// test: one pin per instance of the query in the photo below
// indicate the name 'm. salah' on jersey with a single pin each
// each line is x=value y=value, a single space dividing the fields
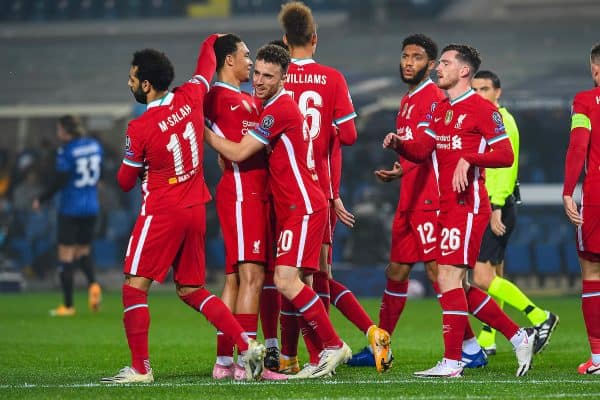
x=419 y=187
x=232 y=113
x=322 y=94
x=167 y=140
x=292 y=176
x=463 y=126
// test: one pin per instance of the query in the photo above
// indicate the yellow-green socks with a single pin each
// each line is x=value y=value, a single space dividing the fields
x=509 y=292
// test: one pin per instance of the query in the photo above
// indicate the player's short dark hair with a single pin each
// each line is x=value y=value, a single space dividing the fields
x=595 y=54
x=153 y=66
x=72 y=124
x=225 y=45
x=297 y=21
x=274 y=54
x=280 y=43
x=466 y=54
x=423 y=41
x=484 y=74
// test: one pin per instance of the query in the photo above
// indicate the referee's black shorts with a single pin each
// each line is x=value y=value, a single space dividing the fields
x=493 y=246
x=75 y=230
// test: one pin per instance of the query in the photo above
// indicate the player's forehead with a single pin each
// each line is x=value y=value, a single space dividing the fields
x=413 y=49
x=449 y=56
x=133 y=72
x=242 y=47
x=267 y=68
x=481 y=83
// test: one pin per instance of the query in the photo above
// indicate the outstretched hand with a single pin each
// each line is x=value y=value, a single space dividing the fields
x=388 y=175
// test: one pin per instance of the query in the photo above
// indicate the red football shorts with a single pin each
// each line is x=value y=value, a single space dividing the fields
x=172 y=239
x=244 y=227
x=459 y=237
x=414 y=236
x=588 y=234
x=299 y=240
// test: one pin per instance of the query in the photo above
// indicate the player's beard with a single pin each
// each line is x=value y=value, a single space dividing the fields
x=417 y=78
x=139 y=95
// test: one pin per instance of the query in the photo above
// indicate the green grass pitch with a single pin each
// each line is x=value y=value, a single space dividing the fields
x=44 y=357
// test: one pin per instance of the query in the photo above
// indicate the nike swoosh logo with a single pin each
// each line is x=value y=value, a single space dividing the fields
x=592 y=370
x=437 y=119
x=445 y=253
x=233 y=108
x=429 y=250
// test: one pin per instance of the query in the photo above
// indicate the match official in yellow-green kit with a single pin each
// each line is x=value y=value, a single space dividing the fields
x=489 y=269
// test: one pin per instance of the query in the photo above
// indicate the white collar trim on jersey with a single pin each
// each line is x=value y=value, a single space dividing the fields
x=163 y=101
x=303 y=61
x=227 y=86
x=420 y=87
x=462 y=97
x=274 y=99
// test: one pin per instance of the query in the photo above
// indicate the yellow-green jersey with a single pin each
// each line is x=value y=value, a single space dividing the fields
x=500 y=182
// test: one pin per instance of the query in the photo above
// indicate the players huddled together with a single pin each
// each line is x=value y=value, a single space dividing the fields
x=278 y=201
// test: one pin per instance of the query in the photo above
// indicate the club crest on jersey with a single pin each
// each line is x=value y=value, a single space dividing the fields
x=267 y=122
x=459 y=121
x=448 y=118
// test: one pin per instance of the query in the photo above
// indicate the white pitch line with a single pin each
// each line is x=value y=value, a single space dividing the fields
x=309 y=382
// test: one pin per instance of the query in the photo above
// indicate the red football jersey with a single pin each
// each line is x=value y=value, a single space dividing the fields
x=322 y=94
x=418 y=186
x=463 y=126
x=232 y=113
x=168 y=141
x=293 y=179
x=585 y=143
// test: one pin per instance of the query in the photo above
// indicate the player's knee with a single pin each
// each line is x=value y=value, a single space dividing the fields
x=397 y=272
x=183 y=291
x=482 y=278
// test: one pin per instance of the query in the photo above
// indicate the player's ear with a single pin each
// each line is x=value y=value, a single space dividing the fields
x=498 y=93
x=284 y=38
x=229 y=59
x=146 y=86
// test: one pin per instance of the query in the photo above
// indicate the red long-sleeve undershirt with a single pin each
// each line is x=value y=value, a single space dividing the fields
x=576 y=156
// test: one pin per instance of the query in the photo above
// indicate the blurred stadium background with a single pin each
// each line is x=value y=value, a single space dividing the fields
x=72 y=56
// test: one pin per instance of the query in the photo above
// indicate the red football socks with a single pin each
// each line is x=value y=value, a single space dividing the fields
x=455 y=318
x=312 y=310
x=270 y=305
x=590 y=305
x=218 y=314
x=484 y=308
x=289 y=328
x=321 y=286
x=136 y=319
x=346 y=302
x=392 y=304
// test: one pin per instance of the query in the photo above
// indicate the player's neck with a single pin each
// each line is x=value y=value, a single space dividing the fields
x=154 y=95
x=301 y=52
x=229 y=78
x=412 y=87
x=459 y=89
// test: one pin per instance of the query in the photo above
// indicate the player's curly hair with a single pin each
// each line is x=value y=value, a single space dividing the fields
x=595 y=54
x=466 y=54
x=280 y=43
x=297 y=21
x=225 y=45
x=153 y=66
x=72 y=124
x=274 y=54
x=484 y=74
x=423 y=41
